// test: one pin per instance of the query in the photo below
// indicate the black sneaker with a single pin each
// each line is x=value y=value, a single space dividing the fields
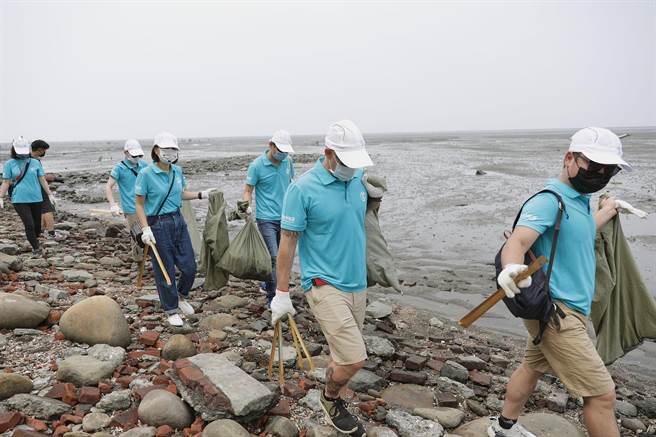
x=338 y=416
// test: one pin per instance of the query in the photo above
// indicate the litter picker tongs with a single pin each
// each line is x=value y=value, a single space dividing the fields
x=299 y=345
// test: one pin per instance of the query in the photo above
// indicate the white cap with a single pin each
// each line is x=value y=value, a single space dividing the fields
x=283 y=141
x=346 y=140
x=133 y=147
x=599 y=145
x=166 y=140
x=21 y=146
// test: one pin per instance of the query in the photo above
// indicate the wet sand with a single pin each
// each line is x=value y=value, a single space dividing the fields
x=443 y=222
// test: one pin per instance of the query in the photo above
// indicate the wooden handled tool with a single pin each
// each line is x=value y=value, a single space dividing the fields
x=161 y=264
x=488 y=303
x=142 y=267
x=276 y=343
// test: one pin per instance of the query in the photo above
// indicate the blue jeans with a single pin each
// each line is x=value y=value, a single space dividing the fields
x=270 y=230
x=174 y=247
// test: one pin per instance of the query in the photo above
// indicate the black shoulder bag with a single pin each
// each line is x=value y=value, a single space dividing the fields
x=136 y=231
x=130 y=168
x=535 y=302
x=19 y=178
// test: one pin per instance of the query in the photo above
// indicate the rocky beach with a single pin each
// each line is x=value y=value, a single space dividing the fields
x=83 y=352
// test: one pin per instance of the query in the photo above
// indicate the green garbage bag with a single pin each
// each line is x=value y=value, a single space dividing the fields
x=248 y=257
x=380 y=263
x=215 y=243
x=623 y=309
x=190 y=218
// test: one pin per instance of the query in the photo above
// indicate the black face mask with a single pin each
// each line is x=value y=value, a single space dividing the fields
x=587 y=181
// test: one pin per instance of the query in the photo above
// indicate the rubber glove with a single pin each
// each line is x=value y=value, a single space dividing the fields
x=507 y=277
x=114 y=208
x=627 y=207
x=147 y=236
x=205 y=194
x=281 y=305
x=249 y=210
x=53 y=200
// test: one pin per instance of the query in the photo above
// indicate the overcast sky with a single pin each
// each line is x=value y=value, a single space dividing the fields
x=100 y=70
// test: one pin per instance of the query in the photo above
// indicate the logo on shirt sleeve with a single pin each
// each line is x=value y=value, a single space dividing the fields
x=531 y=218
x=363 y=196
x=288 y=219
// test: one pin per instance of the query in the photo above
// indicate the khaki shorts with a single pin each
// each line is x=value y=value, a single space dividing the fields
x=569 y=354
x=341 y=317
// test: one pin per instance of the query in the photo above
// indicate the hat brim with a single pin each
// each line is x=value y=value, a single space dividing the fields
x=168 y=146
x=287 y=148
x=135 y=152
x=355 y=158
x=22 y=150
x=603 y=158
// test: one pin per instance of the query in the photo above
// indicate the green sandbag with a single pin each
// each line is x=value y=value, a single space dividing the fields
x=215 y=243
x=380 y=263
x=623 y=309
x=248 y=257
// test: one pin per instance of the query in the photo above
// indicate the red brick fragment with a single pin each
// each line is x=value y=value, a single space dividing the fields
x=59 y=336
x=149 y=338
x=125 y=380
x=61 y=430
x=89 y=395
x=197 y=426
x=27 y=433
x=36 y=424
x=163 y=431
x=190 y=374
x=281 y=409
x=125 y=419
x=69 y=418
x=104 y=388
x=10 y=420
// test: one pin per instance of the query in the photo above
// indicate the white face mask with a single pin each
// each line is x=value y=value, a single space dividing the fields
x=168 y=155
x=132 y=159
x=342 y=172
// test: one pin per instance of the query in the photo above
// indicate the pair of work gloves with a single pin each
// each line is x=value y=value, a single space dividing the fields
x=281 y=304
x=506 y=278
x=52 y=199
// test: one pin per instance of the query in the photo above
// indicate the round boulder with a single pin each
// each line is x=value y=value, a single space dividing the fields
x=18 y=311
x=83 y=370
x=12 y=383
x=161 y=407
x=225 y=428
x=178 y=347
x=96 y=320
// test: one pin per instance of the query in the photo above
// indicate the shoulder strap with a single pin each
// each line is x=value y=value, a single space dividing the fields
x=19 y=178
x=561 y=210
x=129 y=168
x=161 y=205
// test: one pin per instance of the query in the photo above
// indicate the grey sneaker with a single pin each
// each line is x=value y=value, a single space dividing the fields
x=495 y=430
x=338 y=416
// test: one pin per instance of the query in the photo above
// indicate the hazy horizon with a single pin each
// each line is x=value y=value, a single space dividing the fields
x=88 y=71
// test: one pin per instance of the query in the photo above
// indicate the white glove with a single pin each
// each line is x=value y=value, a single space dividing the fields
x=627 y=207
x=147 y=236
x=281 y=305
x=2 y=203
x=53 y=200
x=206 y=193
x=249 y=210
x=507 y=277
x=114 y=208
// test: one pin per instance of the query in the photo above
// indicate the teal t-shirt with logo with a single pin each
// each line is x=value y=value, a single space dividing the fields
x=271 y=183
x=29 y=189
x=153 y=183
x=329 y=214
x=573 y=274
x=125 y=174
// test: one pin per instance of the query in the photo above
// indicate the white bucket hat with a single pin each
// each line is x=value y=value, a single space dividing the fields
x=346 y=140
x=599 y=145
x=283 y=141
x=166 y=140
x=21 y=145
x=133 y=147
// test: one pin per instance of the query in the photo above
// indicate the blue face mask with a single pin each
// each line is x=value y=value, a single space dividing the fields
x=342 y=172
x=279 y=156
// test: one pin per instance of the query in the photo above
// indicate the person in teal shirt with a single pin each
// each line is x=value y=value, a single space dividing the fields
x=25 y=174
x=159 y=190
x=564 y=349
x=124 y=174
x=269 y=175
x=324 y=212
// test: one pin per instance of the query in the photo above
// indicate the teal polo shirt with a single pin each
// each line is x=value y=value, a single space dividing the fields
x=125 y=177
x=29 y=190
x=153 y=183
x=573 y=275
x=330 y=216
x=271 y=183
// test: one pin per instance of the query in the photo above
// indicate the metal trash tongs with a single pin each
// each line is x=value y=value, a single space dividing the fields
x=299 y=345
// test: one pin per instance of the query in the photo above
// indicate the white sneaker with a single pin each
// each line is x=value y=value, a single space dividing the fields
x=175 y=320
x=495 y=430
x=185 y=307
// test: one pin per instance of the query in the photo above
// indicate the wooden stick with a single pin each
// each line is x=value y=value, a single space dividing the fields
x=274 y=342
x=299 y=357
x=102 y=211
x=488 y=303
x=296 y=333
x=281 y=364
x=142 y=267
x=161 y=265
